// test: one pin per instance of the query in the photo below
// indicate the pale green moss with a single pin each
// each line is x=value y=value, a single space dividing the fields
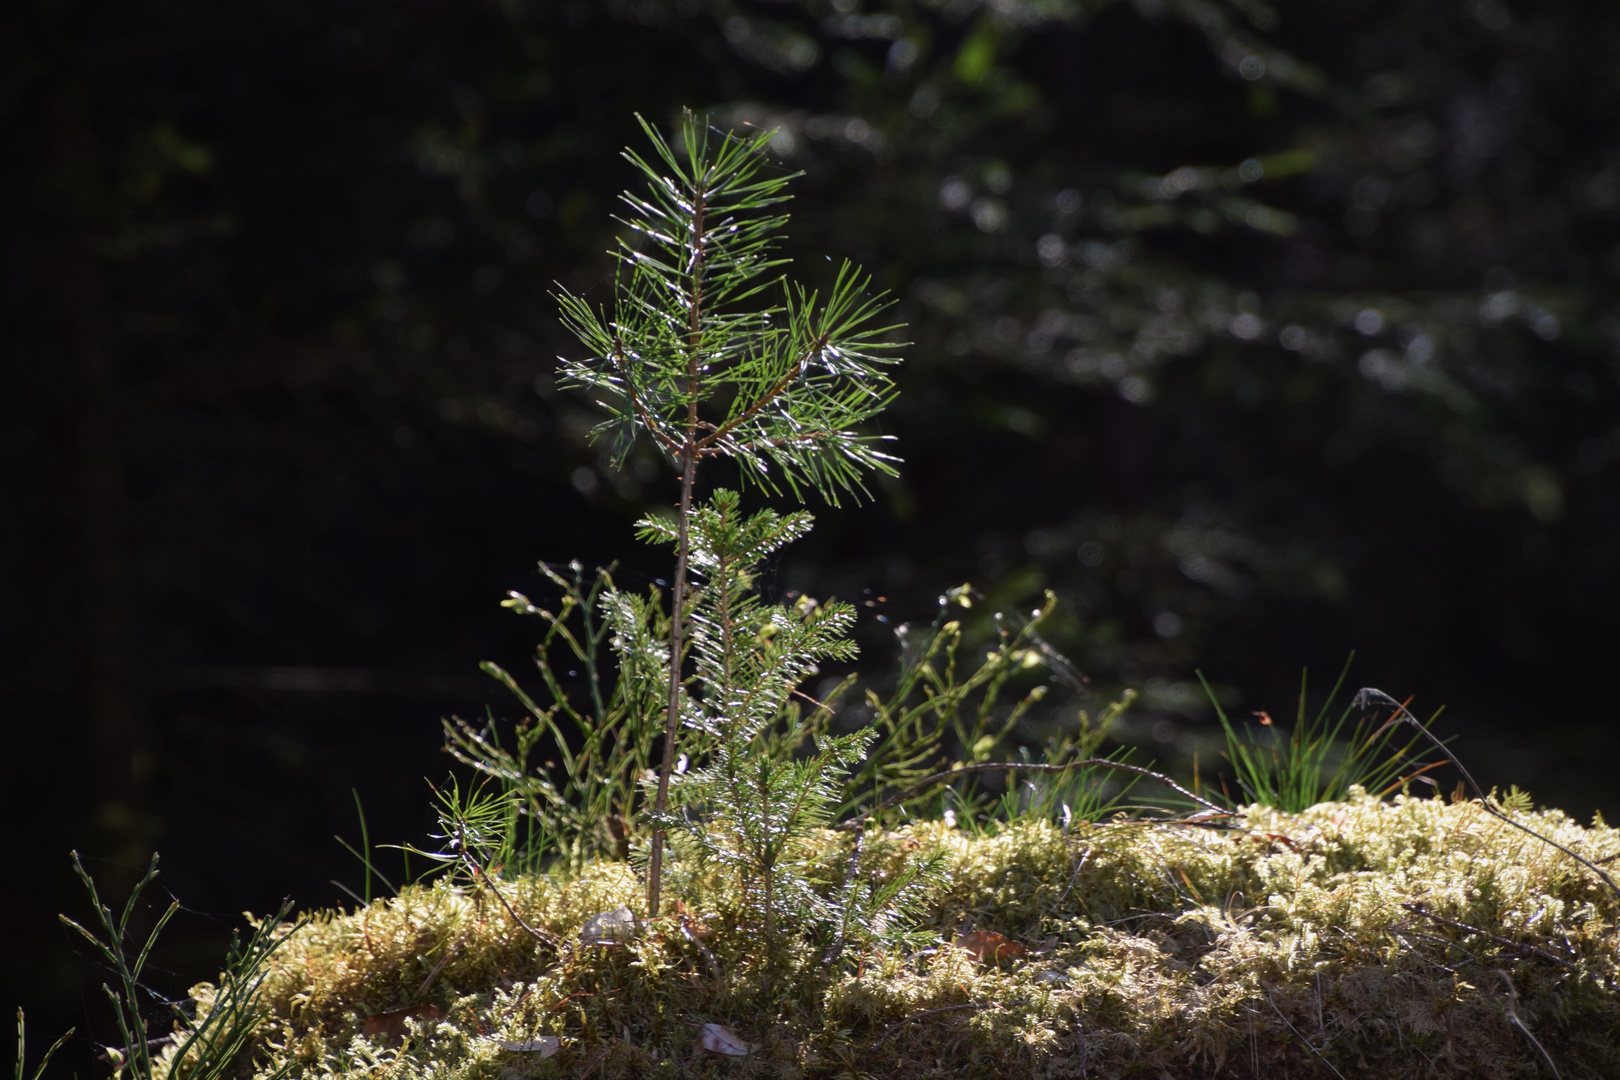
x=1156 y=950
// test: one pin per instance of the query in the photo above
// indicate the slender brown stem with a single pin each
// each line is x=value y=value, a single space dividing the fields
x=718 y=433
x=1513 y=1015
x=683 y=547
x=1301 y=1037
x=1370 y=696
x=770 y=932
x=655 y=861
x=479 y=874
x=914 y=1017
x=1519 y=946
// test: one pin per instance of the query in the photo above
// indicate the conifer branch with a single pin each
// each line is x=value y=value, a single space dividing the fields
x=653 y=428
x=769 y=396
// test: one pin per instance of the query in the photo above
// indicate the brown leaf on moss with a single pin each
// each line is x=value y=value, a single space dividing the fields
x=391 y=1025
x=719 y=1039
x=989 y=947
x=694 y=926
x=544 y=1045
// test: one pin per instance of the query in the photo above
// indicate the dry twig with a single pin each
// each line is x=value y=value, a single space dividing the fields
x=479 y=874
x=1513 y=1015
x=1419 y=909
x=1302 y=1038
x=1367 y=697
x=898 y=1024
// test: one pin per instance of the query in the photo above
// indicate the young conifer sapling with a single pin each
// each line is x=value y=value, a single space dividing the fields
x=709 y=351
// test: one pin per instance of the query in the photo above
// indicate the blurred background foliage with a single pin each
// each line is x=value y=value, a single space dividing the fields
x=1258 y=332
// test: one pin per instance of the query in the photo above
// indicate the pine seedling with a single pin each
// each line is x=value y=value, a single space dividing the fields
x=755 y=807
x=708 y=351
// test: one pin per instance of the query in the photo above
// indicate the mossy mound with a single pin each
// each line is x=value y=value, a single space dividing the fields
x=1358 y=939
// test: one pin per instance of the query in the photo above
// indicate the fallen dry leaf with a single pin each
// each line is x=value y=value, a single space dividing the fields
x=1271 y=837
x=694 y=926
x=544 y=1045
x=989 y=947
x=609 y=927
x=718 y=1039
x=391 y=1025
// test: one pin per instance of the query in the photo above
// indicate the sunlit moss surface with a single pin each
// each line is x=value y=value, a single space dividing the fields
x=1358 y=939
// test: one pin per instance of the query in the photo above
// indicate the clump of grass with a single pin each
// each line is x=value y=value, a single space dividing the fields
x=1316 y=762
x=938 y=710
x=1358 y=938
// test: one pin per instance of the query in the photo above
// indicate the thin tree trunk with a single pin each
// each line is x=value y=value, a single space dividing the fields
x=655 y=862
x=689 y=459
x=770 y=933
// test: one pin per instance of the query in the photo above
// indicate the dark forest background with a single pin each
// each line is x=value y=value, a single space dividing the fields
x=1259 y=333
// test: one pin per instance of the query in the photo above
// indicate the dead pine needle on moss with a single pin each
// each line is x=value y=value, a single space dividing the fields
x=1404 y=938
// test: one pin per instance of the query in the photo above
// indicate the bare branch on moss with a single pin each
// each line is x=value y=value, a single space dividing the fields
x=479 y=874
x=433 y=976
x=708 y=954
x=1301 y=1037
x=898 y=1024
x=1368 y=697
x=1513 y=1015
x=1419 y=909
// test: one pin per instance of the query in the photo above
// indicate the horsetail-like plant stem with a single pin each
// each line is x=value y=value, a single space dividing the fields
x=709 y=352
x=22 y=1049
x=204 y=1046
